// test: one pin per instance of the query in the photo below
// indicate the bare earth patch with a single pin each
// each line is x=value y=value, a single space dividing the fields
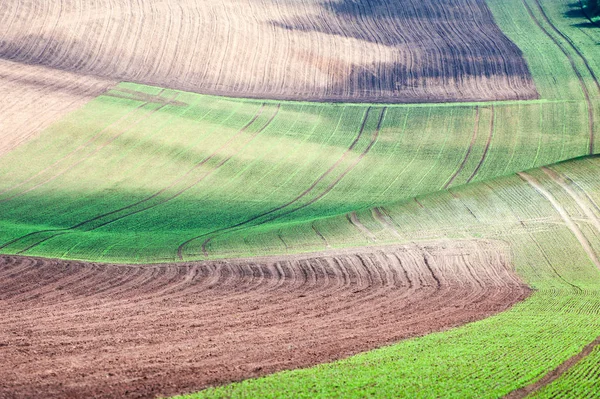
x=338 y=50
x=35 y=96
x=74 y=329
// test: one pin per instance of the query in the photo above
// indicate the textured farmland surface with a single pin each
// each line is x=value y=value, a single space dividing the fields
x=144 y=174
x=115 y=331
x=580 y=381
x=550 y=218
x=34 y=97
x=397 y=51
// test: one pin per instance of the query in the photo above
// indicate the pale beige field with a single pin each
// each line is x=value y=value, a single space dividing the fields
x=33 y=97
x=345 y=50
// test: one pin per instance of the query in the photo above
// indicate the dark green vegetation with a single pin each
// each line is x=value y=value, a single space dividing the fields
x=550 y=218
x=593 y=7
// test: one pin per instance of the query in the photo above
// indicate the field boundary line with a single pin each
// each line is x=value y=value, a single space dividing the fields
x=68 y=155
x=177 y=194
x=554 y=374
x=156 y=194
x=94 y=152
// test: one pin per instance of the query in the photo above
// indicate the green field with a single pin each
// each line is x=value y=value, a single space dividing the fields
x=495 y=356
x=131 y=181
x=143 y=174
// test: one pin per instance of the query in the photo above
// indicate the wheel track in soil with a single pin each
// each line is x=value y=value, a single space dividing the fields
x=164 y=323
x=471 y=145
x=584 y=88
x=570 y=224
x=156 y=194
x=242 y=224
x=486 y=148
x=554 y=374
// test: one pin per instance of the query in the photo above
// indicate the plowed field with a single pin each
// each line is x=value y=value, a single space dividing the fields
x=34 y=97
x=90 y=330
x=396 y=51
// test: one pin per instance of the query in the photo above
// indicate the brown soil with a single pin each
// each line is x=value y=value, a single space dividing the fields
x=338 y=50
x=73 y=329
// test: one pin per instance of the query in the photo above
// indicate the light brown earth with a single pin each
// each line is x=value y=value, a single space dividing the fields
x=72 y=329
x=339 y=50
x=33 y=97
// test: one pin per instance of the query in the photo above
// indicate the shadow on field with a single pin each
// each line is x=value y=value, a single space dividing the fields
x=579 y=12
x=447 y=44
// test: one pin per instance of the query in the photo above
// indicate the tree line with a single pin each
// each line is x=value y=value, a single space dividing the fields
x=593 y=7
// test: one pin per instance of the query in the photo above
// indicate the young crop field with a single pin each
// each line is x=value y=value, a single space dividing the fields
x=397 y=198
x=143 y=174
x=550 y=220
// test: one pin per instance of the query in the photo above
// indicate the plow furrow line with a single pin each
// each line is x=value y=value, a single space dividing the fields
x=353 y=301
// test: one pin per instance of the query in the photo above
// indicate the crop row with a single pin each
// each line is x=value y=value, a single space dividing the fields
x=142 y=167
x=549 y=219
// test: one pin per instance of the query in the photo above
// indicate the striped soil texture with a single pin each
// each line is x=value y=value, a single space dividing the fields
x=335 y=50
x=73 y=329
x=35 y=96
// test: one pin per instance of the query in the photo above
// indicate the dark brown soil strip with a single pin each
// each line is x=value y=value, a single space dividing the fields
x=157 y=194
x=374 y=138
x=300 y=196
x=487 y=147
x=554 y=374
x=464 y=161
x=79 y=330
x=573 y=66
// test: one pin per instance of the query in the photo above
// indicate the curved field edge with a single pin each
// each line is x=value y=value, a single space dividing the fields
x=549 y=218
x=178 y=327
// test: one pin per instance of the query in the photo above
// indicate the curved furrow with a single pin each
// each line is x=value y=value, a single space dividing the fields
x=177 y=327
